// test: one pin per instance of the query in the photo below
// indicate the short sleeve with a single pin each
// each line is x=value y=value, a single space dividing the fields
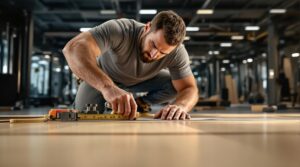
x=180 y=64
x=108 y=35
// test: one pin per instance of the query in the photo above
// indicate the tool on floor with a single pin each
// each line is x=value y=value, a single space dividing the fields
x=142 y=112
x=67 y=115
x=75 y=116
x=91 y=109
x=91 y=112
x=56 y=113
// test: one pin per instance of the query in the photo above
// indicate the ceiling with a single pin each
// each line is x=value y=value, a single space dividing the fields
x=57 y=21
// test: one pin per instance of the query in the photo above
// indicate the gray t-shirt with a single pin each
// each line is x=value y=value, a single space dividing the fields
x=120 y=59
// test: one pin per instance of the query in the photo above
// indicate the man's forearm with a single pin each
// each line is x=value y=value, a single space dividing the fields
x=187 y=98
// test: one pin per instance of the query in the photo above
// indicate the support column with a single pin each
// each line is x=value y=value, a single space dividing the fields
x=217 y=69
x=27 y=44
x=272 y=64
x=211 y=80
x=138 y=8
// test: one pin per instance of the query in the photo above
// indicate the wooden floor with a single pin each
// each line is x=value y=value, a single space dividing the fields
x=209 y=140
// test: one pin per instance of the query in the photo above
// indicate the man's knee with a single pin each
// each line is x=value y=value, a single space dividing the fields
x=88 y=95
x=165 y=92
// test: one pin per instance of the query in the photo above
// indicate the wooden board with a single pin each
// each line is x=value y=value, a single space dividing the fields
x=232 y=89
x=258 y=107
x=154 y=143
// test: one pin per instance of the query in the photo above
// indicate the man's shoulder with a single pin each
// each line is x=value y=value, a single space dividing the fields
x=128 y=24
x=178 y=55
x=180 y=51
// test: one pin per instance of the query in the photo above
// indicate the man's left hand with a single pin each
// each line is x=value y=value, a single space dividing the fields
x=172 y=112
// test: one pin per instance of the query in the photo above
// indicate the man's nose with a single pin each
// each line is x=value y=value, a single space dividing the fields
x=153 y=53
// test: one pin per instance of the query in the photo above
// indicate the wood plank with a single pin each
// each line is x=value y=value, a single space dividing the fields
x=148 y=144
x=232 y=90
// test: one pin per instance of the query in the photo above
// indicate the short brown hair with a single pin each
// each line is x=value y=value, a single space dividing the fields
x=172 y=25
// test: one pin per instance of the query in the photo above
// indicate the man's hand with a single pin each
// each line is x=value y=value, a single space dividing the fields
x=122 y=102
x=172 y=112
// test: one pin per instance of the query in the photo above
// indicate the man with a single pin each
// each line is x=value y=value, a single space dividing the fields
x=134 y=57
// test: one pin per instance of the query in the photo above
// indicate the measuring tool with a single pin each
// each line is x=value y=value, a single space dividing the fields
x=74 y=115
x=90 y=113
x=102 y=117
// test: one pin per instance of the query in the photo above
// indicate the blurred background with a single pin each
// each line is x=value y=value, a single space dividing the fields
x=242 y=52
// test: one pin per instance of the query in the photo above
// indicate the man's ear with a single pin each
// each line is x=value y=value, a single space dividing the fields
x=147 y=26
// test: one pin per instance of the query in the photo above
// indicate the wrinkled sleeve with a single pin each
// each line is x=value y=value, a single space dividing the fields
x=108 y=35
x=180 y=64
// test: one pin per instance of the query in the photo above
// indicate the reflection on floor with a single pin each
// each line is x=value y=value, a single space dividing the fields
x=209 y=140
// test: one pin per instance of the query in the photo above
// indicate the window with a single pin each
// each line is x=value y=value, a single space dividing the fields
x=39 y=82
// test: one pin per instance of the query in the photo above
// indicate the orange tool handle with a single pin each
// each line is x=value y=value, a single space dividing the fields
x=53 y=112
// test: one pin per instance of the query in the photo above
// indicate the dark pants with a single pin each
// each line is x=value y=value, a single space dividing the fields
x=159 y=90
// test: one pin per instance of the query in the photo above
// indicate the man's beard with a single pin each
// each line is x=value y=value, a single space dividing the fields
x=144 y=55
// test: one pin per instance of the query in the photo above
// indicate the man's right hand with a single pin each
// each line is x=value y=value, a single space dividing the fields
x=121 y=101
